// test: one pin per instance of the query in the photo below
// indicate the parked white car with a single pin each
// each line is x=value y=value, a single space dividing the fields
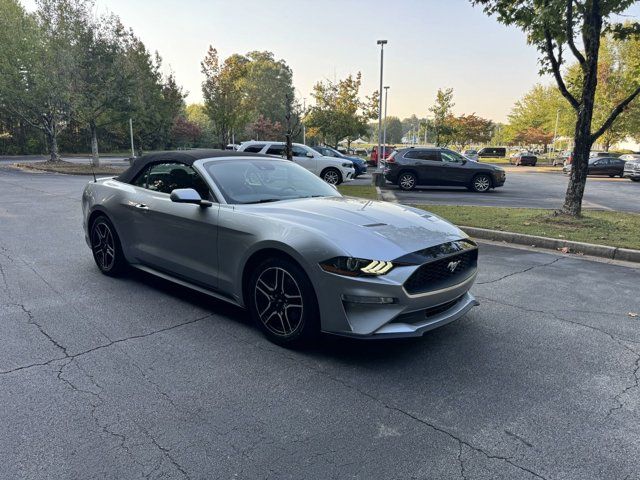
x=331 y=170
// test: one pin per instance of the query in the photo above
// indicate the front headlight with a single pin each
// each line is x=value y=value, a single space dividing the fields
x=356 y=267
x=347 y=165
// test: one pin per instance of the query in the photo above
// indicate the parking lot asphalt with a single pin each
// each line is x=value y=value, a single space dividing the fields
x=135 y=377
x=528 y=190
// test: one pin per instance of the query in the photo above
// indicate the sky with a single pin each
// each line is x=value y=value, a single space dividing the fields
x=432 y=44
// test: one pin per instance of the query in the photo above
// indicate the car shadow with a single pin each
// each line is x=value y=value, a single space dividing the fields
x=342 y=349
x=493 y=191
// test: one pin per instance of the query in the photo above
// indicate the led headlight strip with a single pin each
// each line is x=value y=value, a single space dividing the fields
x=377 y=267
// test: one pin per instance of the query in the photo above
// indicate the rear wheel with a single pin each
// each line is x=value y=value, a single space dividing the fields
x=481 y=183
x=106 y=248
x=332 y=176
x=407 y=181
x=282 y=303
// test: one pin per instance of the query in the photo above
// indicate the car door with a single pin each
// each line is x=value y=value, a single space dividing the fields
x=598 y=167
x=179 y=239
x=427 y=165
x=453 y=169
x=306 y=158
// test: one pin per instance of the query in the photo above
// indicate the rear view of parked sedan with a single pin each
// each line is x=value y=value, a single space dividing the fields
x=411 y=167
x=267 y=235
x=523 y=159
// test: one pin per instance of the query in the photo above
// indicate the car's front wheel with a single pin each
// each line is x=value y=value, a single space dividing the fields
x=481 y=183
x=332 y=176
x=407 y=181
x=282 y=303
x=106 y=248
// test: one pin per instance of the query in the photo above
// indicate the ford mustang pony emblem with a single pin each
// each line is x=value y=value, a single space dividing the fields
x=453 y=265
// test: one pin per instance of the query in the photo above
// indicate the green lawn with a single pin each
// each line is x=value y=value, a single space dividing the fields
x=364 y=191
x=605 y=228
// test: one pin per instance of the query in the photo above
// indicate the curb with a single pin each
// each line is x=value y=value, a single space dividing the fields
x=603 y=251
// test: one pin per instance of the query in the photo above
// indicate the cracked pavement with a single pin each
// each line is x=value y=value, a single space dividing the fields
x=137 y=378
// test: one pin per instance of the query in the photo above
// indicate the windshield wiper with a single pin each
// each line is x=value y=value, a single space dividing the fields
x=264 y=200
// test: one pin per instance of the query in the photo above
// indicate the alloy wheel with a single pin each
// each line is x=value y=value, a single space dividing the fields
x=331 y=177
x=103 y=246
x=407 y=182
x=278 y=301
x=481 y=183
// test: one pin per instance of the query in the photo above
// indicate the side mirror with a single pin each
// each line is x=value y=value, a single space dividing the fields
x=310 y=155
x=188 y=195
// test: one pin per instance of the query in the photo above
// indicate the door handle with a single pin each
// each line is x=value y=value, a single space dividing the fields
x=141 y=206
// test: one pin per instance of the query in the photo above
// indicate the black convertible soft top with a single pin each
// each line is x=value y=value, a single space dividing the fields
x=182 y=156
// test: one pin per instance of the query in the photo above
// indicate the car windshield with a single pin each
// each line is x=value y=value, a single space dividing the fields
x=332 y=152
x=263 y=180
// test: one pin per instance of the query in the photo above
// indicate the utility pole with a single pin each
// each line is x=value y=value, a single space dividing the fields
x=384 y=131
x=382 y=43
x=133 y=153
x=555 y=133
x=304 y=128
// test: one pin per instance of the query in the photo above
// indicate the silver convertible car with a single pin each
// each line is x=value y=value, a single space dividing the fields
x=267 y=235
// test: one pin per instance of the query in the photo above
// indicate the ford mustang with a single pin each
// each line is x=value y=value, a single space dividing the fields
x=267 y=235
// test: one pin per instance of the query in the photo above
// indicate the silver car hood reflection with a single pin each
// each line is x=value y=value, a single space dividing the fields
x=364 y=228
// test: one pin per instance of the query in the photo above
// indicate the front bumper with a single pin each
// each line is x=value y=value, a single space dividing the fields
x=408 y=315
x=631 y=174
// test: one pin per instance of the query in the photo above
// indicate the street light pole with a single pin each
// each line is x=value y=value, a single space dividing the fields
x=384 y=131
x=304 y=128
x=382 y=43
x=133 y=153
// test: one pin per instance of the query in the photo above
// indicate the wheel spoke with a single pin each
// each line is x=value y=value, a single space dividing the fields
x=280 y=308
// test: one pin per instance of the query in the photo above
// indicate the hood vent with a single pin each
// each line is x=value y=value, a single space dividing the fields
x=375 y=225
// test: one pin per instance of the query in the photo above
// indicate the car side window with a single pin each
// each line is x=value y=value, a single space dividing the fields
x=141 y=179
x=298 y=151
x=275 y=150
x=431 y=155
x=166 y=177
x=450 y=157
x=254 y=148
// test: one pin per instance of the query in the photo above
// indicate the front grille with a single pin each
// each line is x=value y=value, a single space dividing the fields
x=443 y=272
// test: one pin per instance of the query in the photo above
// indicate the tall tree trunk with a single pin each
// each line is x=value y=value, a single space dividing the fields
x=52 y=140
x=95 y=156
x=582 y=136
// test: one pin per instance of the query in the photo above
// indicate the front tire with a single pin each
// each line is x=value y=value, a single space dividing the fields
x=106 y=248
x=332 y=176
x=481 y=183
x=407 y=181
x=283 y=304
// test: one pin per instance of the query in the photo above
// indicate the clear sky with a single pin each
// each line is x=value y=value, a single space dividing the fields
x=432 y=44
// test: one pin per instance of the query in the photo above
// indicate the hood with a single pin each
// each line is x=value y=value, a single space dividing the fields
x=364 y=228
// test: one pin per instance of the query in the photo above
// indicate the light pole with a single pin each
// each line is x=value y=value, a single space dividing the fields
x=133 y=153
x=382 y=43
x=384 y=131
x=304 y=128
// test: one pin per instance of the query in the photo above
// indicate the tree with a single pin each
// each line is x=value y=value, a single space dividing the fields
x=339 y=112
x=101 y=83
x=38 y=60
x=222 y=92
x=443 y=117
x=471 y=129
x=264 y=129
x=196 y=114
x=266 y=86
x=394 y=129
x=185 y=133
x=552 y=26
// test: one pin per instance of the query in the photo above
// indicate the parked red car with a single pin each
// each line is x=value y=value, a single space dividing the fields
x=386 y=151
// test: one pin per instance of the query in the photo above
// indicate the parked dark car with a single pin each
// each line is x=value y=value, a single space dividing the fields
x=359 y=164
x=612 y=166
x=523 y=158
x=492 y=152
x=410 y=167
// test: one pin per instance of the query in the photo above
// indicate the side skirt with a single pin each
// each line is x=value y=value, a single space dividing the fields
x=187 y=284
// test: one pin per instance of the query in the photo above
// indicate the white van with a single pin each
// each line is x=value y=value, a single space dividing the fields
x=331 y=170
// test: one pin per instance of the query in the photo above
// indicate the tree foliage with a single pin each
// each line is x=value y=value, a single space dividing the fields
x=62 y=68
x=339 y=112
